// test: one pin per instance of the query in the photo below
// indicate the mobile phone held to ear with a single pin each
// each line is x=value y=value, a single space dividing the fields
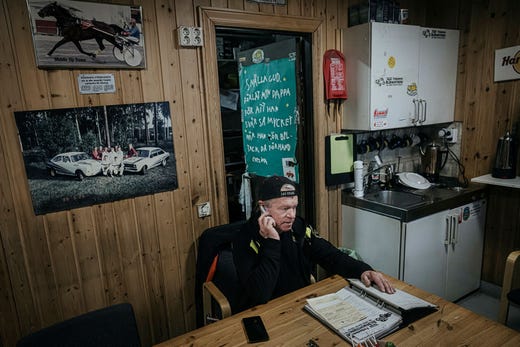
x=262 y=208
x=255 y=329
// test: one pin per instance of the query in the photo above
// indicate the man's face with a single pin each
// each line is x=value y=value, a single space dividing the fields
x=283 y=211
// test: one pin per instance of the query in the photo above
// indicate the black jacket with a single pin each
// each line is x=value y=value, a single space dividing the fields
x=269 y=268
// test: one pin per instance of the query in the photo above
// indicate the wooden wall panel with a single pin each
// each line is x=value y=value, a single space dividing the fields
x=329 y=10
x=502 y=231
x=151 y=255
x=294 y=7
x=63 y=264
x=13 y=277
x=251 y=6
x=234 y=4
x=19 y=312
x=143 y=250
x=85 y=242
x=487 y=109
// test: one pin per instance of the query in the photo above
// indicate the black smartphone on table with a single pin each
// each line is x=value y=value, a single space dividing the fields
x=255 y=329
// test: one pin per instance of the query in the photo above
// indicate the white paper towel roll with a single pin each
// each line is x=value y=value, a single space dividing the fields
x=358 y=178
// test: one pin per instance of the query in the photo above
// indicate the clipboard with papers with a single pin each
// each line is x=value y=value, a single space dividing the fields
x=358 y=313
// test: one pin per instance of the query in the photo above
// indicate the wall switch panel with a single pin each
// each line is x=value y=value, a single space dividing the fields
x=204 y=209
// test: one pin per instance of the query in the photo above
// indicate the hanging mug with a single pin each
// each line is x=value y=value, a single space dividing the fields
x=416 y=140
x=362 y=147
x=395 y=142
x=382 y=142
x=424 y=138
x=407 y=141
x=373 y=145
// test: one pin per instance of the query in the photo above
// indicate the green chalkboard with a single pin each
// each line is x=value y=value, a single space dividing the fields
x=268 y=97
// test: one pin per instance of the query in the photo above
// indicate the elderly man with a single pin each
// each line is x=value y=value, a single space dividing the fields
x=133 y=30
x=275 y=250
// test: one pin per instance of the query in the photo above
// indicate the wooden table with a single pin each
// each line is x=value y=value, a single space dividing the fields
x=288 y=325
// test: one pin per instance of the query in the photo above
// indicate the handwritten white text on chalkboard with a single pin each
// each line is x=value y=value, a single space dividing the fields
x=286 y=147
x=260 y=108
x=257 y=80
x=276 y=94
x=269 y=115
x=269 y=121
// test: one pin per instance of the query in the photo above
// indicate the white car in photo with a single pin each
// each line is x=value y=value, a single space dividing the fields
x=147 y=158
x=78 y=164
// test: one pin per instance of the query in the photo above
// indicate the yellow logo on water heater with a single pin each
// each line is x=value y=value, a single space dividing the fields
x=391 y=62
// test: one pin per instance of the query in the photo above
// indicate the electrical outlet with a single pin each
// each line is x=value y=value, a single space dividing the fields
x=204 y=209
x=190 y=36
x=449 y=134
x=454 y=135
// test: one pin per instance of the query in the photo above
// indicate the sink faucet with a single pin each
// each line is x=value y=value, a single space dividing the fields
x=389 y=174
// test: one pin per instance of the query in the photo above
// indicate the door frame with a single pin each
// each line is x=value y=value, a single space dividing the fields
x=209 y=18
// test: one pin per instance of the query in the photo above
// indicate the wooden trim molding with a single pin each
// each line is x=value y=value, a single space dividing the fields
x=209 y=18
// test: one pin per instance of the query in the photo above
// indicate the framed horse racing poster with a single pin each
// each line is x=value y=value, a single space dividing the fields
x=81 y=34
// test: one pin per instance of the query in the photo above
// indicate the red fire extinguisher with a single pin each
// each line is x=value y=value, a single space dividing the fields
x=334 y=75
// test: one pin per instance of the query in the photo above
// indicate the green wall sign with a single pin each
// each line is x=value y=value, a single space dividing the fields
x=269 y=117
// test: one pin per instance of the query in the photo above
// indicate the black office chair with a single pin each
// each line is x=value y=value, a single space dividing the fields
x=216 y=283
x=509 y=294
x=113 y=326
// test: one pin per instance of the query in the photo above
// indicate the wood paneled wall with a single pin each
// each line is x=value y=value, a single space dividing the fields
x=139 y=250
x=143 y=250
x=487 y=109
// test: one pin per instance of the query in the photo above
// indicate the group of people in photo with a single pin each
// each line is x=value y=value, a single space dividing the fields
x=112 y=159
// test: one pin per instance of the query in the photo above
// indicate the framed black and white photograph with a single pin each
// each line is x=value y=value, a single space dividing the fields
x=82 y=34
x=78 y=157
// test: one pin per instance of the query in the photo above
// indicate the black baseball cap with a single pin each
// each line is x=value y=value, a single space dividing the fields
x=277 y=187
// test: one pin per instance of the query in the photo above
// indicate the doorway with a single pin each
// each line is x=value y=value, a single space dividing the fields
x=232 y=43
x=212 y=18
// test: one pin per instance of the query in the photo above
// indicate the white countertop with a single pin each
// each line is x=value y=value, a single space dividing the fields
x=504 y=182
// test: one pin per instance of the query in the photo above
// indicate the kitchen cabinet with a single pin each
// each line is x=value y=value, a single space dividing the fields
x=440 y=253
x=363 y=230
x=399 y=76
x=452 y=256
x=438 y=60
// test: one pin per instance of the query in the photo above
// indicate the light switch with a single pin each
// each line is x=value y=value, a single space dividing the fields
x=204 y=209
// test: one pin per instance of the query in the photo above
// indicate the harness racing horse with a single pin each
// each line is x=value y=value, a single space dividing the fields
x=74 y=29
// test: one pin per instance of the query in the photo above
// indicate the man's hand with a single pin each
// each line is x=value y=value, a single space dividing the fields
x=369 y=277
x=267 y=226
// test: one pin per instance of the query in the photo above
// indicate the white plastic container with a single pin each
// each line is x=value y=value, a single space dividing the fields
x=358 y=178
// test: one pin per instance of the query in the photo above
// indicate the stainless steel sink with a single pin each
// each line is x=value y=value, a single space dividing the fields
x=396 y=198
